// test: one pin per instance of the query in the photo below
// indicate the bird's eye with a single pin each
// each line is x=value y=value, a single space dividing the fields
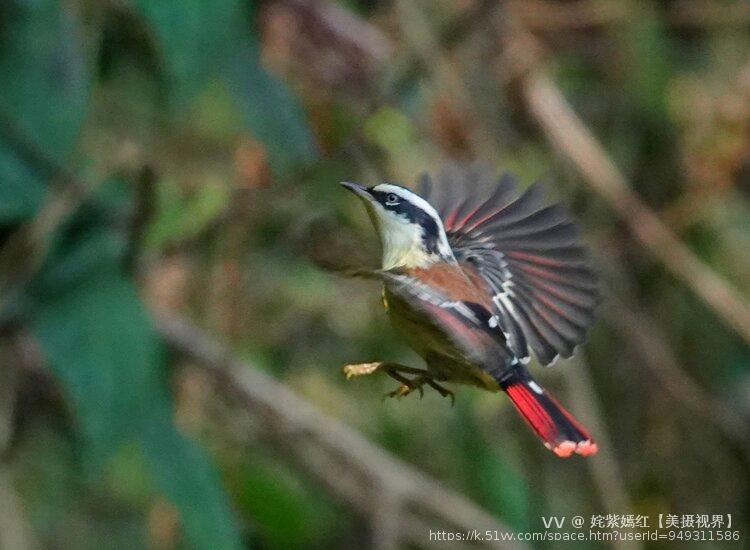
x=391 y=199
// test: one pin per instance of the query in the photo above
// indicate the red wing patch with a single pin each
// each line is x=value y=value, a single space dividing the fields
x=529 y=254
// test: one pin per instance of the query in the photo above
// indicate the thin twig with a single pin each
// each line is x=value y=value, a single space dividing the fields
x=313 y=440
x=700 y=13
x=143 y=214
x=648 y=341
x=24 y=250
x=430 y=47
x=548 y=107
x=542 y=15
x=605 y=468
x=363 y=470
x=31 y=155
x=548 y=16
x=15 y=531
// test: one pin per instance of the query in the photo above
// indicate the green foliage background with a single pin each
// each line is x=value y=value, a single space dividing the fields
x=203 y=143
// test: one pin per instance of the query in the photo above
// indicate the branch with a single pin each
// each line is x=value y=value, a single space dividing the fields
x=375 y=483
x=378 y=485
x=15 y=531
x=24 y=249
x=546 y=16
x=649 y=343
x=605 y=470
x=549 y=109
x=542 y=15
x=700 y=13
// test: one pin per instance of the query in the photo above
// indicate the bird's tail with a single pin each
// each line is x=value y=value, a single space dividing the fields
x=560 y=432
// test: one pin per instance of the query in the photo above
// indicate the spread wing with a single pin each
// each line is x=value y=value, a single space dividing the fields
x=530 y=255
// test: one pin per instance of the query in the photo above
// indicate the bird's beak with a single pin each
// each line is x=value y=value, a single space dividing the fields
x=357 y=189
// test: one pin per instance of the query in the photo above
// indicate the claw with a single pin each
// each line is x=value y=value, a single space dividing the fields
x=406 y=388
x=445 y=392
x=401 y=391
x=407 y=385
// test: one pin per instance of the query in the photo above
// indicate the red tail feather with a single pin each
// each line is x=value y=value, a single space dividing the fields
x=560 y=431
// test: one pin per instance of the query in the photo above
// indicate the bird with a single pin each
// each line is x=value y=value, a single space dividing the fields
x=476 y=277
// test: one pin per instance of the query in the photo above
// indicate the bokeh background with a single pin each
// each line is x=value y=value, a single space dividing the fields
x=168 y=180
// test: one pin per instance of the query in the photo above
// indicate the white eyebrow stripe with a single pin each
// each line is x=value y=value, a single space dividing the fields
x=412 y=197
x=419 y=202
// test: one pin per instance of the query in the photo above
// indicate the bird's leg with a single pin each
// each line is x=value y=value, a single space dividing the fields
x=391 y=369
x=362 y=369
x=407 y=386
x=395 y=370
x=425 y=377
x=445 y=392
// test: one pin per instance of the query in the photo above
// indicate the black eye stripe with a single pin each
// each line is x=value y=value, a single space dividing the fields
x=389 y=199
x=400 y=205
x=413 y=213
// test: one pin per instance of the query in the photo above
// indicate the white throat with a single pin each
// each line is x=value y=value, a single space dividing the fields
x=404 y=241
x=402 y=246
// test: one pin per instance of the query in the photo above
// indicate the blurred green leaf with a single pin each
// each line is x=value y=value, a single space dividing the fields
x=203 y=41
x=128 y=477
x=390 y=129
x=55 y=496
x=46 y=477
x=502 y=490
x=505 y=491
x=184 y=217
x=642 y=130
x=650 y=64
x=288 y=513
x=99 y=342
x=183 y=473
x=196 y=40
x=272 y=113
x=43 y=97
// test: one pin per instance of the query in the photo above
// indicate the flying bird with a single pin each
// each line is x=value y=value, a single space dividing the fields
x=476 y=278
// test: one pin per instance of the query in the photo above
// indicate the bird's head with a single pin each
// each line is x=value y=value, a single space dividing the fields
x=410 y=229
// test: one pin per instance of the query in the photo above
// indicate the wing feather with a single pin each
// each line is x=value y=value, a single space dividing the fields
x=529 y=253
x=467 y=326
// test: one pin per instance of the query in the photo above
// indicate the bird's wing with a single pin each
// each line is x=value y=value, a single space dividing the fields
x=465 y=330
x=530 y=255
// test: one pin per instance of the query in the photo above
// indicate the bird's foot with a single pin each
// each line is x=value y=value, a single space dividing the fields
x=360 y=369
x=394 y=370
x=445 y=392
